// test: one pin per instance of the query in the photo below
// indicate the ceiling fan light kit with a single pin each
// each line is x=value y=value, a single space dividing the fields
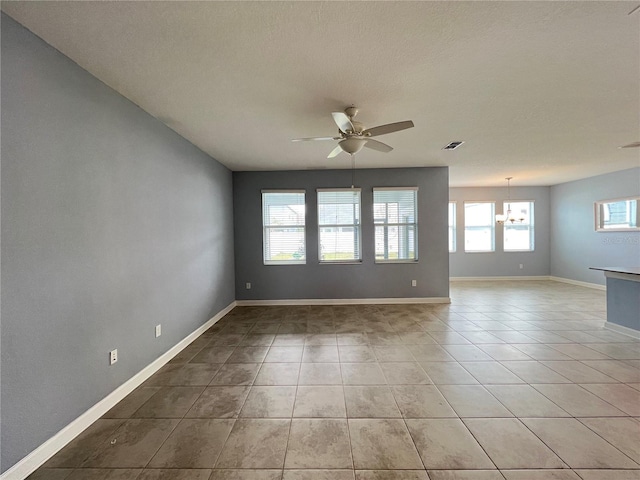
x=352 y=145
x=353 y=136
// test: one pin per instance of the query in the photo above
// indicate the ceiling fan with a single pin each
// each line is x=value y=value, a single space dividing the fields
x=352 y=135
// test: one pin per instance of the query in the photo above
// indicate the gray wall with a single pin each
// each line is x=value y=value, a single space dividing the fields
x=501 y=263
x=576 y=245
x=366 y=280
x=623 y=302
x=111 y=224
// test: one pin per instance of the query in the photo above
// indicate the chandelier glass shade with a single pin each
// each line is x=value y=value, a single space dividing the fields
x=508 y=217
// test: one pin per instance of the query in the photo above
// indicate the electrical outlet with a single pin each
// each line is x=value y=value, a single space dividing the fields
x=113 y=356
x=248 y=285
x=414 y=283
x=158 y=330
x=521 y=266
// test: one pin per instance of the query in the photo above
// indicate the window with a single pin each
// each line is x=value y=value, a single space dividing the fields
x=283 y=227
x=479 y=227
x=395 y=218
x=618 y=215
x=339 y=225
x=452 y=227
x=519 y=237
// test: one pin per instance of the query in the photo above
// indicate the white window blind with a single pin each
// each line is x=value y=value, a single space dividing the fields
x=339 y=225
x=619 y=215
x=519 y=237
x=479 y=226
x=452 y=226
x=283 y=225
x=396 y=224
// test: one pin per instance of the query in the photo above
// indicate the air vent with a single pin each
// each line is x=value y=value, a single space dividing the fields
x=452 y=146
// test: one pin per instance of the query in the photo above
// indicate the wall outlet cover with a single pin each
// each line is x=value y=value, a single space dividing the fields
x=158 y=330
x=113 y=356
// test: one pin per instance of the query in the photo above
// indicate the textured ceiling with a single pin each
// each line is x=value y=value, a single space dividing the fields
x=541 y=91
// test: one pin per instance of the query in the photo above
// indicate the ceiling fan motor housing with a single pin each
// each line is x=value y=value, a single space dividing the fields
x=351 y=112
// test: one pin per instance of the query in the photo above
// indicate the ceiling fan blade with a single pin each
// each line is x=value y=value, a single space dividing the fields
x=335 y=152
x=631 y=145
x=309 y=139
x=388 y=128
x=343 y=122
x=379 y=146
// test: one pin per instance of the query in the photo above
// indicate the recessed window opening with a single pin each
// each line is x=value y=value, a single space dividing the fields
x=283 y=227
x=479 y=226
x=339 y=231
x=396 y=224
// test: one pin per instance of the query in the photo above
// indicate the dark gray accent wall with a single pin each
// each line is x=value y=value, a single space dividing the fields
x=501 y=263
x=334 y=281
x=576 y=245
x=111 y=224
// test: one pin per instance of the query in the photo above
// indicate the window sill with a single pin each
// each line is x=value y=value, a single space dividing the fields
x=339 y=262
x=284 y=263
x=383 y=262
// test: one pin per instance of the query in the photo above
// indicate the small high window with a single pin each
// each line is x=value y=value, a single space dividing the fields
x=618 y=215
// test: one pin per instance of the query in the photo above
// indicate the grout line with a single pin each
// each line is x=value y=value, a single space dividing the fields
x=479 y=444
x=286 y=447
x=346 y=414
x=543 y=325
x=596 y=433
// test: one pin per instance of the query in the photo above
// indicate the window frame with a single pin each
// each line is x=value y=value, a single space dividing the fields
x=599 y=215
x=452 y=228
x=356 y=226
x=531 y=225
x=265 y=228
x=398 y=224
x=492 y=225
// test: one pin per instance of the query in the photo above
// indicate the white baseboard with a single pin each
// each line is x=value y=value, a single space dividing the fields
x=579 y=283
x=631 y=332
x=497 y=279
x=517 y=278
x=342 y=301
x=44 y=452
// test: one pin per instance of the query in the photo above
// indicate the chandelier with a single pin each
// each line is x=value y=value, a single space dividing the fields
x=508 y=217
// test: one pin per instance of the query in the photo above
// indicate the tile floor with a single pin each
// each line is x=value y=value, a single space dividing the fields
x=515 y=381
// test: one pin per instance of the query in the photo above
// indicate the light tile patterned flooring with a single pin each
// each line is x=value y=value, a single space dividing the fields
x=515 y=381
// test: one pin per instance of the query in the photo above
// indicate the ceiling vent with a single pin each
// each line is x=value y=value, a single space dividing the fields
x=452 y=146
